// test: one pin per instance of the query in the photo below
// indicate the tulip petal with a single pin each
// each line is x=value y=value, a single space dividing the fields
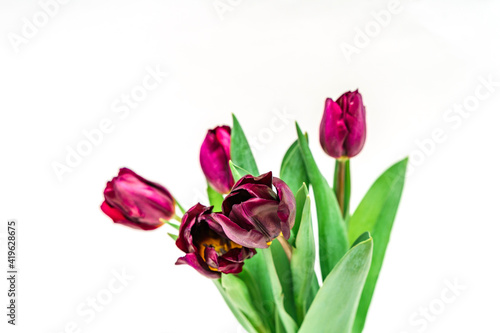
x=286 y=207
x=242 y=190
x=248 y=238
x=333 y=131
x=245 y=192
x=262 y=214
x=354 y=118
x=237 y=255
x=193 y=260
x=138 y=200
x=214 y=159
x=185 y=240
x=201 y=230
x=112 y=212
x=265 y=179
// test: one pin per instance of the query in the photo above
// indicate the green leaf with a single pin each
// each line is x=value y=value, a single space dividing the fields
x=237 y=171
x=257 y=268
x=376 y=214
x=279 y=325
x=239 y=294
x=173 y=225
x=249 y=278
x=364 y=236
x=334 y=308
x=237 y=313
x=300 y=199
x=331 y=227
x=241 y=154
x=284 y=271
x=288 y=322
x=302 y=263
x=293 y=170
x=174 y=237
x=215 y=198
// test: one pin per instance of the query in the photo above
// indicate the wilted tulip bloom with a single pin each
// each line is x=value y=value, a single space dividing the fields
x=136 y=202
x=343 y=127
x=208 y=250
x=258 y=214
x=214 y=159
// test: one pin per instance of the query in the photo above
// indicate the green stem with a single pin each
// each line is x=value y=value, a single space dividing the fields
x=342 y=185
x=177 y=218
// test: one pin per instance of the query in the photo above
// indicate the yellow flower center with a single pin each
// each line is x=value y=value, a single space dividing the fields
x=221 y=246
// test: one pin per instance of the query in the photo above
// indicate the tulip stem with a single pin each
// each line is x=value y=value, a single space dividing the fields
x=286 y=246
x=342 y=185
x=177 y=218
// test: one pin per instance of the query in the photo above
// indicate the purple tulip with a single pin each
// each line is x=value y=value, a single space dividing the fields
x=207 y=248
x=257 y=214
x=214 y=159
x=136 y=202
x=343 y=127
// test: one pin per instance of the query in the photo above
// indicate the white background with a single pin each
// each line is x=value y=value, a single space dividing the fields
x=259 y=58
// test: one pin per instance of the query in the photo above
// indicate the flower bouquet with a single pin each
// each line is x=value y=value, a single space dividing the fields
x=256 y=240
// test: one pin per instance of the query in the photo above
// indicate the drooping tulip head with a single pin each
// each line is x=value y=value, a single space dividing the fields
x=136 y=202
x=207 y=248
x=257 y=212
x=343 y=127
x=214 y=158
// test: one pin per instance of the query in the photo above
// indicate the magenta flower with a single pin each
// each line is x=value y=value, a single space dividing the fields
x=257 y=214
x=214 y=159
x=207 y=248
x=136 y=202
x=343 y=127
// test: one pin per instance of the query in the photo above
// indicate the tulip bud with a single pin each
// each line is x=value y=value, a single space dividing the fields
x=343 y=127
x=136 y=202
x=207 y=248
x=257 y=214
x=214 y=159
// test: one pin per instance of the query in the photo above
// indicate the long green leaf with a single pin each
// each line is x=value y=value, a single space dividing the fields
x=257 y=268
x=300 y=199
x=284 y=271
x=376 y=214
x=288 y=322
x=293 y=170
x=303 y=263
x=247 y=276
x=237 y=171
x=237 y=291
x=215 y=198
x=241 y=154
x=331 y=227
x=334 y=308
x=242 y=319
